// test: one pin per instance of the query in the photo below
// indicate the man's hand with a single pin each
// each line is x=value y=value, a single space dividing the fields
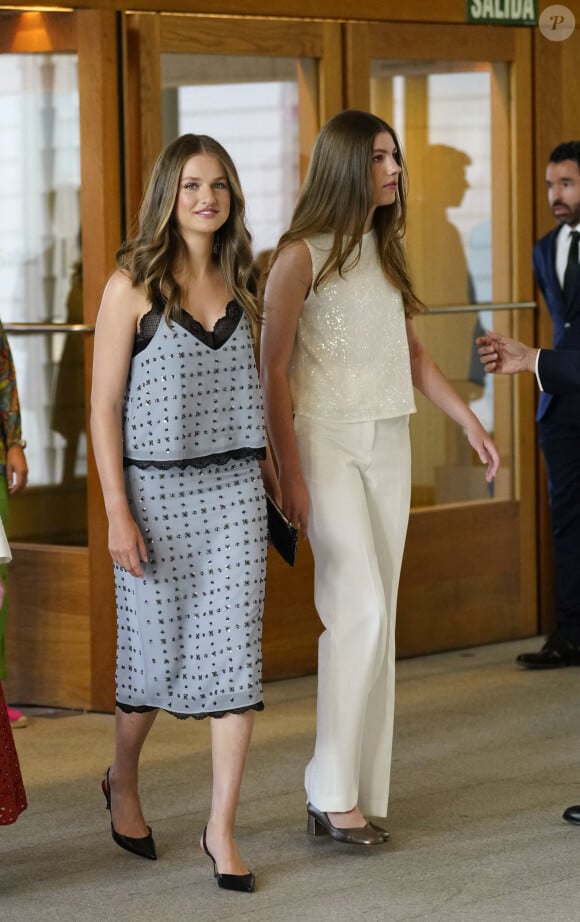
x=501 y=355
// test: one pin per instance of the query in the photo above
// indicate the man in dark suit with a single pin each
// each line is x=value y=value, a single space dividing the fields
x=557 y=371
x=556 y=268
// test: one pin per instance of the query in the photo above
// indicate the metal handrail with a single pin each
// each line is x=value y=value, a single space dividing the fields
x=483 y=306
x=48 y=328
x=444 y=309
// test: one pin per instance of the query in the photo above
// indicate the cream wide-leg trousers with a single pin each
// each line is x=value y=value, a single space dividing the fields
x=359 y=479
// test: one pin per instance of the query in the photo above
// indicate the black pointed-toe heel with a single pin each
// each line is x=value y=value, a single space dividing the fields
x=144 y=847
x=243 y=883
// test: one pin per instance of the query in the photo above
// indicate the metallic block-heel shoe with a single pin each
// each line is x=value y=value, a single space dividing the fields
x=381 y=831
x=320 y=825
x=243 y=883
x=144 y=846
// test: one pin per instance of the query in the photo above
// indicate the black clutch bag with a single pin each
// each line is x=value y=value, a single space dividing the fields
x=282 y=534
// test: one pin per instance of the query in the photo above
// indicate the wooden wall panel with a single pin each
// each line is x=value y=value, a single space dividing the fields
x=291 y=625
x=439 y=566
x=259 y=36
x=48 y=635
x=449 y=597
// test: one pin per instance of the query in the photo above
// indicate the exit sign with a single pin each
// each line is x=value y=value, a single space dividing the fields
x=503 y=12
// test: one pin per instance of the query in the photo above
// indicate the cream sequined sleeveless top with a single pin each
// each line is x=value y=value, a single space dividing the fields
x=351 y=356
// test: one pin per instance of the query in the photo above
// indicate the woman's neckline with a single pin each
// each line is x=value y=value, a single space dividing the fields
x=223 y=316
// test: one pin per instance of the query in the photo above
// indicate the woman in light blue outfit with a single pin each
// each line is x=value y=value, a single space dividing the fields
x=180 y=445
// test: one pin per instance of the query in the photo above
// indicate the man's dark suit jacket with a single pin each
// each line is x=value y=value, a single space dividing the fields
x=559 y=371
x=566 y=330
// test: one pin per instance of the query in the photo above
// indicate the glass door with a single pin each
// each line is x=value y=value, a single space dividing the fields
x=459 y=100
x=59 y=228
x=41 y=302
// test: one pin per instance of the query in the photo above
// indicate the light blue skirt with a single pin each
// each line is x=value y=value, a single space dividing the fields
x=189 y=634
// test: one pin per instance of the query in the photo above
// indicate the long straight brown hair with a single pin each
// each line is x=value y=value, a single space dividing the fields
x=153 y=254
x=336 y=198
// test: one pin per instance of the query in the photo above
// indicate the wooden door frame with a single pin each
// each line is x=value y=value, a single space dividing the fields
x=98 y=40
x=439 y=11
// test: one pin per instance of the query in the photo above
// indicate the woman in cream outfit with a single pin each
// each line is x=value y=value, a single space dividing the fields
x=339 y=361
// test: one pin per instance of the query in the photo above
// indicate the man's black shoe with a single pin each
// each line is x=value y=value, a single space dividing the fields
x=572 y=815
x=556 y=652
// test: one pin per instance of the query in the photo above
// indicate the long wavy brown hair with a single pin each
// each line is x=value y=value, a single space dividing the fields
x=337 y=196
x=152 y=255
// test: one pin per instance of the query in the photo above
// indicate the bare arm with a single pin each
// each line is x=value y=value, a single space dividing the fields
x=432 y=383
x=267 y=466
x=287 y=287
x=119 y=313
x=504 y=356
x=16 y=469
x=269 y=476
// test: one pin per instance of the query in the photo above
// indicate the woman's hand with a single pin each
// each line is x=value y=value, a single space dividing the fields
x=483 y=444
x=430 y=381
x=287 y=287
x=126 y=544
x=295 y=500
x=16 y=469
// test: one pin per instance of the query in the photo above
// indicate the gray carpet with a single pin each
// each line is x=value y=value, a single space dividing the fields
x=486 y=757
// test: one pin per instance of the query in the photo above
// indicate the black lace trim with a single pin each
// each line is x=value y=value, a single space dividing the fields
x=145 y=708
x=214 y=339
x=237 y=454
x=224 y=326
